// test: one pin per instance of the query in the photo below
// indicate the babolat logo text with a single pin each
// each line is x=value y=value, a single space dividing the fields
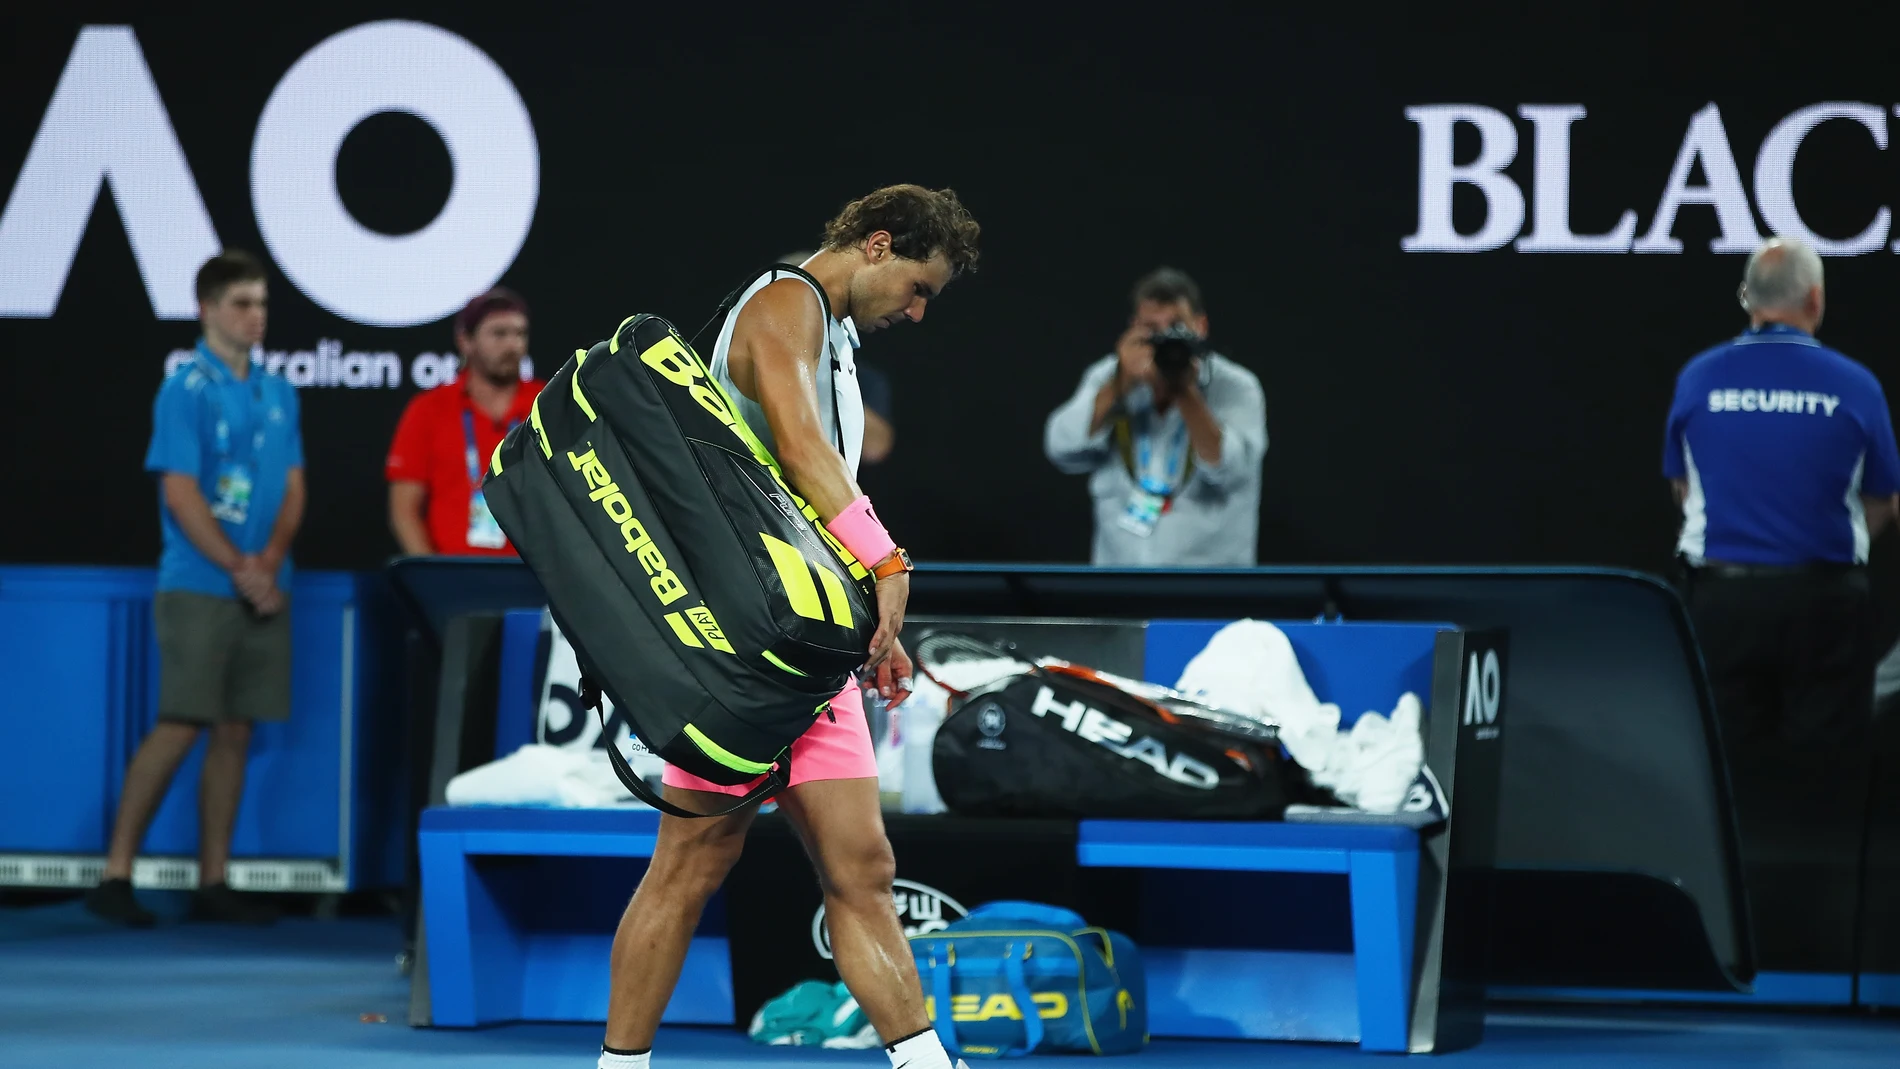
x=1106 y=731
x=666 y=586
x=680 y=368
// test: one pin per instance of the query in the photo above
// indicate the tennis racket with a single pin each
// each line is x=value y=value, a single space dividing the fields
x=963 y=663
x=1172 y=702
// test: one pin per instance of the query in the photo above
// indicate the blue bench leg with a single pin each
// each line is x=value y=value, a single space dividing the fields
x=475 y=953
x=445 y=880
x=1384 y=905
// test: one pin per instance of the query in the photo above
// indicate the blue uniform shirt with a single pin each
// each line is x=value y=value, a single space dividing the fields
x=1778 y=437
x=225 y=433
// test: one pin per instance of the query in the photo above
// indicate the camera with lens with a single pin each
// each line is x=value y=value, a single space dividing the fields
x=1175 y=348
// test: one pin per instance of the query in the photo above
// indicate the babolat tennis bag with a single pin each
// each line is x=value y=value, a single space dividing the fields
x=698 y=591
x=1017 y=978
x=1048 y=743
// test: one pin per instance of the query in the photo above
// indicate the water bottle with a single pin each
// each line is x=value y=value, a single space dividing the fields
x=919 y=724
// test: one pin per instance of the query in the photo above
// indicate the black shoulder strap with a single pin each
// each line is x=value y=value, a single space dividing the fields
x=733 y=297
x=774 y=781
x=823 y=297
x=824 y=300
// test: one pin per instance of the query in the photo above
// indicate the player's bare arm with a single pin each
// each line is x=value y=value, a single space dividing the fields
x=776 y=346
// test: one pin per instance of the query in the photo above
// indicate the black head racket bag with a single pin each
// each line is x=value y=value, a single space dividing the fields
x=1052 y=744
x=698 y=591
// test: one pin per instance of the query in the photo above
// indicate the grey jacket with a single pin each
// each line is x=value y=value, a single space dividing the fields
x=1214 y=518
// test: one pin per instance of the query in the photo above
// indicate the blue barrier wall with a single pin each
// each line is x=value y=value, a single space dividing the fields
x=79 y=690
x=78 y=678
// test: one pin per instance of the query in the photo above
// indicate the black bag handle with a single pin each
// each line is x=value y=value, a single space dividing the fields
x=774 y=781
x=837 y=419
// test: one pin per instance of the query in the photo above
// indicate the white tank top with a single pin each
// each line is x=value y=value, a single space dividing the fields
x=840 y=405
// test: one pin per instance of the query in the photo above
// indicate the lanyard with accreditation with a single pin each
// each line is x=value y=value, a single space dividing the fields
x=231 y=493
x=1155 y=484
x=483 y=531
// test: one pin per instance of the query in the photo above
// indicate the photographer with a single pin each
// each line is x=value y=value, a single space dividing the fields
x=1171 y=435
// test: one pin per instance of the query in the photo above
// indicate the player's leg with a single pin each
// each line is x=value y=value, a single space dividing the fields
x=690 y=861
x=833 y=805
x=843 y=830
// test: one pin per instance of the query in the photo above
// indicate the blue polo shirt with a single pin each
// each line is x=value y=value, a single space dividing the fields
x=1778 y=437
x=210 y=425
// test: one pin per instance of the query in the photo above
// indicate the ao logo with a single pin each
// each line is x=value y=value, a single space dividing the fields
x=107 y=123
x=1482 y=687
x=920 y=908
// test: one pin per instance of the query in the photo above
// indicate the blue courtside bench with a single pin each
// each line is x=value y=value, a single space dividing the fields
x=503 y=945
x=492 y=960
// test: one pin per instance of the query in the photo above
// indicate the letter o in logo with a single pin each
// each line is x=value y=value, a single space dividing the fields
x=1490 y=686
x=358 y=274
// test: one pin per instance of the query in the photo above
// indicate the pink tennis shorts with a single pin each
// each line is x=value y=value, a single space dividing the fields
x=827 y=749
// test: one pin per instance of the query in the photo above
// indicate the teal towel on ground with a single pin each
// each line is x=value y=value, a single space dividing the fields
x=814 y=1014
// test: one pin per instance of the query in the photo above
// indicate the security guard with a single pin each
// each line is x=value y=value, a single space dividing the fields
x=1781 y=453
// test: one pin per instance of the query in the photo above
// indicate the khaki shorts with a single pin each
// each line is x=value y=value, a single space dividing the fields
x=216 y=663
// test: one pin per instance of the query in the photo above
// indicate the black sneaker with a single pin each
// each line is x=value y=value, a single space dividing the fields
x=218 y=904
x=113 y=900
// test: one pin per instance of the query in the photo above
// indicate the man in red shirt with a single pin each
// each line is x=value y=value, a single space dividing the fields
x=447 y=434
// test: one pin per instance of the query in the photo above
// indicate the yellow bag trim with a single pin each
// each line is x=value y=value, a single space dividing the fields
x=795 y=572
x=540 y=433
x=722 y=755
x=1108 y=948
x=580 y=398
x=580 y=359
x=685 y=633
x=834 y=593
x=1081 y=966
x=773 y=657
x=613 y=342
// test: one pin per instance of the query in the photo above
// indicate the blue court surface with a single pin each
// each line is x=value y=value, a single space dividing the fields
x=74 y=993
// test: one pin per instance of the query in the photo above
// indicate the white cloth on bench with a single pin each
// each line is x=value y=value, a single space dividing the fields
x=1249 y=667
x=545 y=775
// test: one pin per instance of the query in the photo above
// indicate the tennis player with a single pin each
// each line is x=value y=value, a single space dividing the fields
x=785 y=358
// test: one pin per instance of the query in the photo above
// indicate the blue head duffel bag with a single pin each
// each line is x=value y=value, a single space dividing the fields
x=981 y=976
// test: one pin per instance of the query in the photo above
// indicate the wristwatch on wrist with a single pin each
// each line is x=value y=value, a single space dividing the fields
x=897 y=563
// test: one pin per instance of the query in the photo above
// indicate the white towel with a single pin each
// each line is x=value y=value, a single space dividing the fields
x=546 y=775
x=1249 y=667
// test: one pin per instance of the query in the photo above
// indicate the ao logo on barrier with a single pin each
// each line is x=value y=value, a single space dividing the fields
x=107 y=123
x=1483 y=689
x=920 y=908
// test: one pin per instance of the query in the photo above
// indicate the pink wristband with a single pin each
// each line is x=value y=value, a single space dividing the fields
x=858 y=530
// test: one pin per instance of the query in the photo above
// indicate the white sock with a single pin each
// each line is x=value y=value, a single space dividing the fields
x=921 y=1051
x=624 y=1061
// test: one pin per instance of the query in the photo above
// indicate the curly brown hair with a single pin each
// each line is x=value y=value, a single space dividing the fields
x=922 y=222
